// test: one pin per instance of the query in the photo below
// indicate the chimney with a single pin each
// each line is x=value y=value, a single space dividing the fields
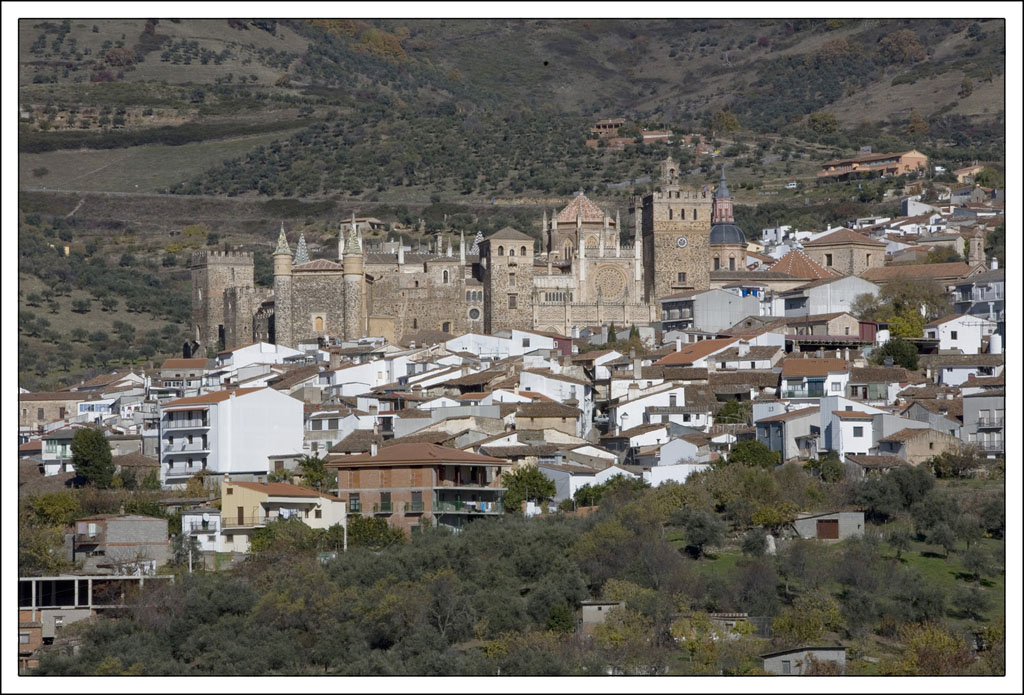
x=995 y=344
x=743 y=348
x=373 y=449
x=838 y=354
x=335 y=360
x=994 y=263
x=633 y=391
x=949 y=395
x=679 y=344
x=847 y=353
x=575 y=332
x=637 y=369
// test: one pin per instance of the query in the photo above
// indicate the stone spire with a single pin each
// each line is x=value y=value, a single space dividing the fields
x=301 y=252
x=723 y=190
x=352 y=240
x=449 y=252
x=282 y=243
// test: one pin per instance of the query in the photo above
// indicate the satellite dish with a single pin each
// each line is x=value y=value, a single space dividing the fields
x=206 y=516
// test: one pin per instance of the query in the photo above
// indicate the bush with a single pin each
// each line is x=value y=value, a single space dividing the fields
x=750 y=452
x=902 y=352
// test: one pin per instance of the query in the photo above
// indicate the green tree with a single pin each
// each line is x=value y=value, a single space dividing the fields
x=755 y=543
x=724 y=122
x=943 y=535
x=751 y=452
x=822 y=122
x=807 y=619
x=81 y=306
x=900 y=538
x=55 y=508
x=736 y=412
x=970 y=601
x=90 y=454
x=611 y=333
x=702 y=529
x=956 y=463
x=526 y=483
x=977 y=561
x=943 y=254
x=108 y=303
x=373 y=533
x=929 y=650
x=315 y=473
x=902 y=352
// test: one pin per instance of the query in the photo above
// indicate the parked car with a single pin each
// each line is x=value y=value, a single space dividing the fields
x=791 y=185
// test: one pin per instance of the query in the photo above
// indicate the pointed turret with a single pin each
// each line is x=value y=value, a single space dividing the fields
x=723 y=190
x=282 y=244
x=301 y=252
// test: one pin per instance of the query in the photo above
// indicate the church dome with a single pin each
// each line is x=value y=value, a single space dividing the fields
x=727 y=233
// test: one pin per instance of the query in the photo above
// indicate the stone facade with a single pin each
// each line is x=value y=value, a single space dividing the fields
x=586 y=274
x=676 y=229
x=213 y=274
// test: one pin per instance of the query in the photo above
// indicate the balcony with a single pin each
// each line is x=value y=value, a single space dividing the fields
x=990 y=423
x=413 y=507
x=199 y=528
x=243 y=522
x=186 y=448
x=383 y=507
x=991 y=445
x=802 y=393
x=458 y=507
x=190 y=424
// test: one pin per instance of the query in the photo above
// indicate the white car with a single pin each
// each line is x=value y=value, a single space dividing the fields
x=791 y=185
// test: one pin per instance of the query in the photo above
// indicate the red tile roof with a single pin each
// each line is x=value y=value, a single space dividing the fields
x=182 y=363
x=421 y=454
x=788 y=416
x=918 y=271
x=280 y=489
x=852 y=415
x=587 y=209
x=799 y=265
x=695 y=351
x=215 y=397
x=844 y=236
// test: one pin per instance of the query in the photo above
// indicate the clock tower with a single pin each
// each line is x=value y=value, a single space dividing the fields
x=676 y=229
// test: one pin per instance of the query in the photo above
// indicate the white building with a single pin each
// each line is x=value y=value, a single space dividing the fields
x=266 y=353
x=960 y=332
x=226 y=432
x=568 y=478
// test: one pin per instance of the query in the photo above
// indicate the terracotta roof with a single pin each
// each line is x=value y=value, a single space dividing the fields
x=634 y=431
x=952 y=409
x=878 y=375
x=789 y=416
x=751 y=277
x=755 y=353
x=589 y=211
x=512 y=451
x=475 y=378
x=422 y=454
x=509 y=233
x=852 y=415
x=534 y=410
x=950 y=317
x=357 y=441
x=181 y=363
x=908 y=433
x=214 y=397
x=318 y=264
x=814 y=366
x=695 y=351
x=657 y=371
x=798 y=264
x=280 y=489
x=55 y=396
x=560 y=377
x=973 y=380
x=876 y=461
x=34 y=445
x=917 y=271
x=135 y=460
x=745 y=377
x=294 y=376
x=102 y=380
x=844 y=236
x=870 y=157
x=984 y=359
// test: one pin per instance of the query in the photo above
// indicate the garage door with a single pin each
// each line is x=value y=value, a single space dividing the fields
x=828 y=528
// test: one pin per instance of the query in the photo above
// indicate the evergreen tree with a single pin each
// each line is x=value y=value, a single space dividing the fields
x=90 y=454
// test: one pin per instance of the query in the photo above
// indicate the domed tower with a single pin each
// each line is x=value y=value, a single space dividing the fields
x=728 y=243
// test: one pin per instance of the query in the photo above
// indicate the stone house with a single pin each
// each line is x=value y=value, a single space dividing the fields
x=129 y=544
x=846 y=251
x=917 y=445
x=798 y=661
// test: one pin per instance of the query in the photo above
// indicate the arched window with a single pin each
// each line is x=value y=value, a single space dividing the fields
x=319 y=323
x=469 y=296
x=501 y=250
x=732 y=263
x=567 y=254
x=511 y=252
x=414 y=323
x=445 y=276
x=522 y=251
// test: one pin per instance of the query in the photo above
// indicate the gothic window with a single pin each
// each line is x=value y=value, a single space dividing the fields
x=717 y=263
x=567 y=252
x=522 y=251
x=732 y=263
x=501 y=250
